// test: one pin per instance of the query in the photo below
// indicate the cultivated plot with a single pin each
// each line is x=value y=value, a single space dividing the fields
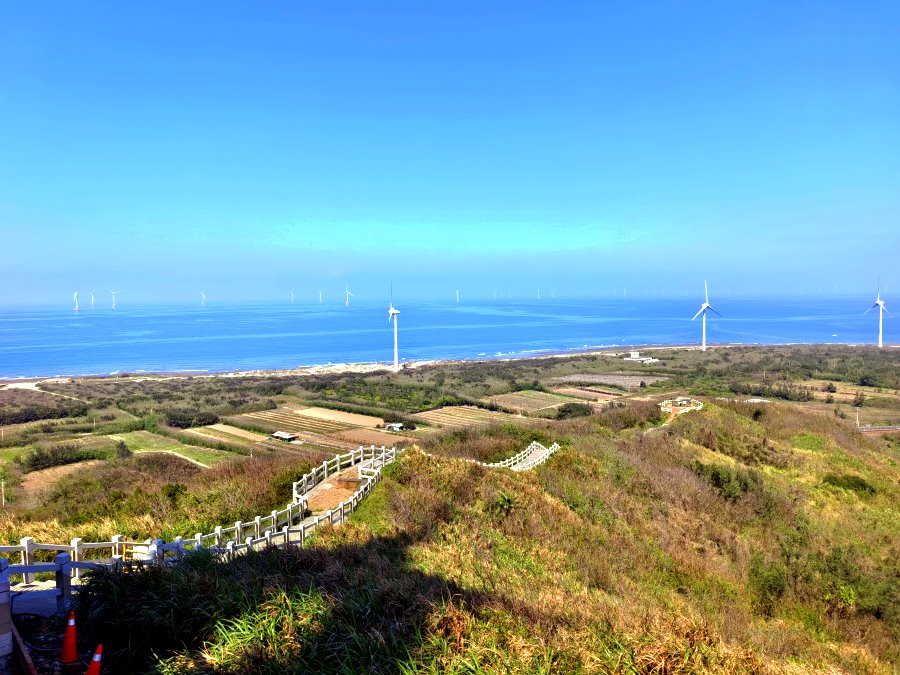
x=612 y=380
x=529 y=401
x=144 y=441
x=341 y=416
x=458 y=417
x=284 y=419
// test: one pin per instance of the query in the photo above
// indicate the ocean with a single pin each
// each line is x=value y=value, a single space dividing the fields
x=222 y=337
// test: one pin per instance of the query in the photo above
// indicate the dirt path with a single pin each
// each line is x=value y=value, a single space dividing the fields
x=334 y=490
x=33 y=386
x=35 y=482
x=172 y=452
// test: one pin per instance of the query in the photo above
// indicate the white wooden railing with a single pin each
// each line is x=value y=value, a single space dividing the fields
x=275 y=528
x=518 y=461
x=265 y=532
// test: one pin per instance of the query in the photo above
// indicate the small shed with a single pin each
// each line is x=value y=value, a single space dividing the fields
x=285 y=436
x=394 y=426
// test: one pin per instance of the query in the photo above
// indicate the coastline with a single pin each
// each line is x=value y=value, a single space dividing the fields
x=374 y=367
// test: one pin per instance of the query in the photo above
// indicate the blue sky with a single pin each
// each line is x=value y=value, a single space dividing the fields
x=250 y=149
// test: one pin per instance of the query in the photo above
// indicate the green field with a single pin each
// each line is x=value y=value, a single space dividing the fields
x=144 y=441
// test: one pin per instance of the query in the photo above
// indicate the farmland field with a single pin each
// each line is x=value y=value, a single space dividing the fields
x=586 y=393
x=458 y=417
x=341 y=416
x=529 y=401
x=144 y=441
x=373 y=436
x=611 y=380
x=288 y=420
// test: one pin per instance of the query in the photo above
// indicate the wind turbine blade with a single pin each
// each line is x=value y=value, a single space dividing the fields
x=698 y=313
x=706 y=291
x=869 y=310
x=714 y=312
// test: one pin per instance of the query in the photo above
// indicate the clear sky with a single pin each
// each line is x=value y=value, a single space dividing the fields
x=251 y=148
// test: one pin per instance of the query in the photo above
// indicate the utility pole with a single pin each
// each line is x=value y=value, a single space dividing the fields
x=3 y=492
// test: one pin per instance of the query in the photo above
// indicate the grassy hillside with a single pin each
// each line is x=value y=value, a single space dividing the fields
x=742 y=538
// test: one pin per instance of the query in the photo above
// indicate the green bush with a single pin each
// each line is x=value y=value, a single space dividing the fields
x=568 y=410
x=848 y=481
x=769 y=581
x=731 y=482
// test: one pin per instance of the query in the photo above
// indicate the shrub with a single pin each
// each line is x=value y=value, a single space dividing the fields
x=730 y=482
x=848 y=481
x=57 y=455
x=184 y=418
x=568 y=410
x=769 y=581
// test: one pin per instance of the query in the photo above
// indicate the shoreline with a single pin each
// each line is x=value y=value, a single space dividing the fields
x=372 y=367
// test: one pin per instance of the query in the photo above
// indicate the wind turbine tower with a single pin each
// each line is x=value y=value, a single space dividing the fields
x=348 y=295
x=393 y=313
x=704 y=308
x=320 y=297
x=114 y=298
x=879 y=303
x=92 y=299
x=75 y=297
x=203 y=297
x=292 y=296
x=457 y=296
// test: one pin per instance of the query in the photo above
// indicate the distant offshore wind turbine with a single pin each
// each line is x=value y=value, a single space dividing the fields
x=114 y=298
x=75 y=297
x=92 y=299
x=457 y=296
x=320 y=297
x=203 y=297
x=704 y=308
x=879 y=303
x=393 y=313
x=349 y=295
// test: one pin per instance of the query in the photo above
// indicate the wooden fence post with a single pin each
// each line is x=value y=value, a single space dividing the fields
x=27 y=557
x=6 y=637
x=238 y=529
x=77 y=554
x=118 y=547
x=286 y=533
x=198 y=541
x=257 y=524
x=218 y=533
x=63 y=582
x=268 y=538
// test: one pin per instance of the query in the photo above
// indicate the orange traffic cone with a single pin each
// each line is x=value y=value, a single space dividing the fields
x=70 y=648
x=94 y=668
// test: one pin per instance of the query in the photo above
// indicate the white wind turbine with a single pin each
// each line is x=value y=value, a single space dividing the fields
x=348 y=295
x=114 y=298
x=292 y=296
x=203 y=297
x=393 y=313
x=879 y=303
x=539 y=295
x=92 y=299
x=704 y=308
x=457 y=296
x=75 y=297
x=320 y=297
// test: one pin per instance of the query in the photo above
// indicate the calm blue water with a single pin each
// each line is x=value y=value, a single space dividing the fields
x=216 y=338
